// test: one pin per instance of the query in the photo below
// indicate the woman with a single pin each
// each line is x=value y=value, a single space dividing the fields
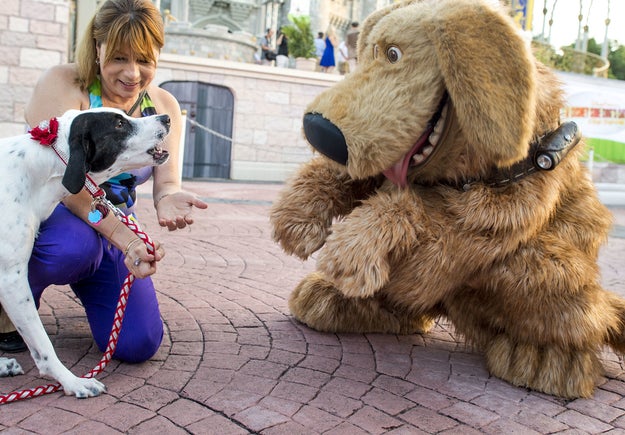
x=115 y=66
x=327 y=62
x=282 y=60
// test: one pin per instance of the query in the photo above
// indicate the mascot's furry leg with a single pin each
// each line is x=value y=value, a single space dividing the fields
x=318 y=304
x=551 y=346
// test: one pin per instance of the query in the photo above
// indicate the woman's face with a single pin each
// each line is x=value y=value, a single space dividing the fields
x=126 y=74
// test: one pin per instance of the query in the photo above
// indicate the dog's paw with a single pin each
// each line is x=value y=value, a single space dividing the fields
x=10 y=367
x=83 y=387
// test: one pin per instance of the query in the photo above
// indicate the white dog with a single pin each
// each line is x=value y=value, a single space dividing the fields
x=101 y=142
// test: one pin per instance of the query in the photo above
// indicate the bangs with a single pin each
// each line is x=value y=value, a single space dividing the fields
x=134 y=37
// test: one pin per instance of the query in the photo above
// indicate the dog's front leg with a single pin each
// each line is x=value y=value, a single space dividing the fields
x=16 y=299
x=356 y=257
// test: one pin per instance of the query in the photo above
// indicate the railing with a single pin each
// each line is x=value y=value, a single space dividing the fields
x=571 y=60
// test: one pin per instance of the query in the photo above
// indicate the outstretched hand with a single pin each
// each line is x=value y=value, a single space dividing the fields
x=174 y=210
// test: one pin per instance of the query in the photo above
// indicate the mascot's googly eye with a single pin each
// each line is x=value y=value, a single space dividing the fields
x=393 y=54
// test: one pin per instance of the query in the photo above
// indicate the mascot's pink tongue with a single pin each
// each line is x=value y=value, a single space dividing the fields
x=398 y=173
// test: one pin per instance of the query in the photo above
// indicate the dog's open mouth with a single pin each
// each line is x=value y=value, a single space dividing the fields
x=422 y=149
x=159 y=155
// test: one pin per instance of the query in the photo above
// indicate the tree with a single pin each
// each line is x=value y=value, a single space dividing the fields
x=617 y=62
x=300 y=37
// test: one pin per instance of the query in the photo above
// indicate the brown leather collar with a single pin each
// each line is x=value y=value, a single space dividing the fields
x=544 y=155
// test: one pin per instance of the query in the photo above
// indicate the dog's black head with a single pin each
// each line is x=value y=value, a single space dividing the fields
x=96 y=140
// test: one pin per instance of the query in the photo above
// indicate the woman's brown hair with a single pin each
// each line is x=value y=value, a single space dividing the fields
x=130 y=24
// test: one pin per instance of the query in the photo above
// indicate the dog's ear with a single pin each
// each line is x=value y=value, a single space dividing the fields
x=79 y=143
x=490 y=75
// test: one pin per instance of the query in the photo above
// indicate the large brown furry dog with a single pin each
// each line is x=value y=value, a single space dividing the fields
x=458 y=219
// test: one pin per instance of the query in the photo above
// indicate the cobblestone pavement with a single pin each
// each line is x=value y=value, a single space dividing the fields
x=234 y=362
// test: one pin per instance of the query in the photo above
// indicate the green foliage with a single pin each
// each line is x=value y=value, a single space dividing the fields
x=617 y=63
x=569 y=60
x=300 y=36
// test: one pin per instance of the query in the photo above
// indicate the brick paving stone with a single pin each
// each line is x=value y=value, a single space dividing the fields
x=470 y=414
x=295 y=391
x=598 y=410
x=257 y=418
x=583 y=422
x=427 y=419
x=52 y=421
x=390 y=403
x=316 y=419
x=336 y=404
x=234 y=361
x=508 y=427
x=430 y=399
x=374 y=421
x=151 y=397
x=215 y=424
x=124 y=416
x=157 y=425
x=537 y=421
x=347 y=387
x=291 y=428
x=501 y=405
x=283 y=406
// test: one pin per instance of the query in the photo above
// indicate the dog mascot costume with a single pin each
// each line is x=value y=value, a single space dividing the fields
x=446 y=184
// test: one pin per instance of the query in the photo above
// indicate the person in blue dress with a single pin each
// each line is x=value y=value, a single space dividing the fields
x=328 y=62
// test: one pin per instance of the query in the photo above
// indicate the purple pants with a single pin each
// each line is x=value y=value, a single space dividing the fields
x=68 y=251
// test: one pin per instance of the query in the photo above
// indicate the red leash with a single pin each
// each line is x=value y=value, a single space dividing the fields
x=114 y=336
x=46 y=134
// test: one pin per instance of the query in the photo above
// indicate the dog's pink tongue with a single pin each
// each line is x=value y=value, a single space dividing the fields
x=398 y=173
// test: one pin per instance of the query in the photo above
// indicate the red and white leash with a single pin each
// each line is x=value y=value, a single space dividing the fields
x=99 y=209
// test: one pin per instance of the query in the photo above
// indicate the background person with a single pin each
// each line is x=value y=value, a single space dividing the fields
x=282 y=59
x=115 y=66
x=268 y=55
x=341 y=54
x=328 y=61
x=351 y=40
x=320 y=46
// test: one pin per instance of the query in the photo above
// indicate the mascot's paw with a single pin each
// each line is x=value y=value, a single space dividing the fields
x=318 y=304
x=357 y=271
x=568 y=373
x=301 y=239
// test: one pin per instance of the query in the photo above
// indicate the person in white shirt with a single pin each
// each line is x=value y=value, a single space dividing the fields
x=343 y=58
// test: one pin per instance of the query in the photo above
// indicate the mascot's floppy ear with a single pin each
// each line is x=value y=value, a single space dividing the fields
x=79 y=142
x=369 y=24
x=490 y=75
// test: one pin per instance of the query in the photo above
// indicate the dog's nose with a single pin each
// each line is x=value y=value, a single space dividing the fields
x=326 y=137
x=165 y=121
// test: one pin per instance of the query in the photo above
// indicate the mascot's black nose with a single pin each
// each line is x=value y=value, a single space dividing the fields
x=325 y=137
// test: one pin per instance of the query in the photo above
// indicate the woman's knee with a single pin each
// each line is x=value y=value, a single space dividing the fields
x=138 y=345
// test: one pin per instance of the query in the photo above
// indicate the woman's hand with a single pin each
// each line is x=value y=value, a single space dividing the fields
x=174 y=209
x=139 y=261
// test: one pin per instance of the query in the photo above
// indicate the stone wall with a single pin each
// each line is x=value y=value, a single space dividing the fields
x=33 y=37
